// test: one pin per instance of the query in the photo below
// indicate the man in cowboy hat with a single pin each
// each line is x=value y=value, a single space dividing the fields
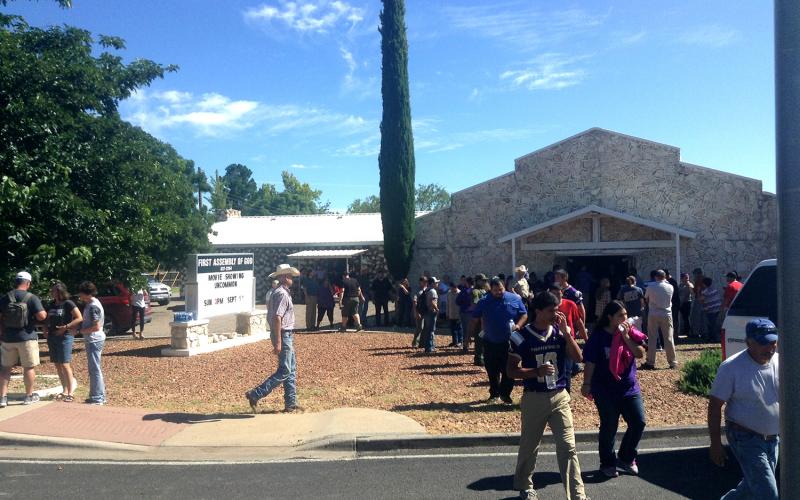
x=520 y=285
x=280 y=314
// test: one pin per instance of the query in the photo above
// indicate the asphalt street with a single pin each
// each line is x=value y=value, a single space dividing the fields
x=666 y=473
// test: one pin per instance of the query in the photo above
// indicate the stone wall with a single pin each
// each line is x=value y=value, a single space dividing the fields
x=735 y=221
x=268 y=258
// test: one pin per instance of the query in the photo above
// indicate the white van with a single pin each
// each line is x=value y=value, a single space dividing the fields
x=758 y=298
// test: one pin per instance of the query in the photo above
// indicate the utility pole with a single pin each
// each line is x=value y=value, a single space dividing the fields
x=787 y=149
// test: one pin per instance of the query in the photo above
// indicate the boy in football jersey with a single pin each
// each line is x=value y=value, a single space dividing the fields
x=538 y=356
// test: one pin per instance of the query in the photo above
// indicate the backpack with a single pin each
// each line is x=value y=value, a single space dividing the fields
x=422 y=303
x=15 y=313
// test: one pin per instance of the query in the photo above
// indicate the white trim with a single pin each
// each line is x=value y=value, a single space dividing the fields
x=326 y=254
x=297 y=245
x=599 y=245
x=592 y=209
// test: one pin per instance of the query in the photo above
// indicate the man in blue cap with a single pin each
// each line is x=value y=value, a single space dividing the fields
x=747 y=384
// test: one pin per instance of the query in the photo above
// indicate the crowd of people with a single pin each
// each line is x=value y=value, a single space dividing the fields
x=63 y=319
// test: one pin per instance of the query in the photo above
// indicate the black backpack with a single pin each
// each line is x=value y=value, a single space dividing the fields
x=15 y=313
x=422 y=303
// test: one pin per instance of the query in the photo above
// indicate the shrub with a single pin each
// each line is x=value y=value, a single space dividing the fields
x=698 y=374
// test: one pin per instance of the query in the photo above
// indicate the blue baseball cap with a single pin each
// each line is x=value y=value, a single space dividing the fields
x=762 y=331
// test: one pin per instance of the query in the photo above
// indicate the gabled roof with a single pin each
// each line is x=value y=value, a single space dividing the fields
x=594 y=209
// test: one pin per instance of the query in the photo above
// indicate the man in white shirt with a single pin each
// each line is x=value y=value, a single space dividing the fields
x=747 y=384
x=659 y=303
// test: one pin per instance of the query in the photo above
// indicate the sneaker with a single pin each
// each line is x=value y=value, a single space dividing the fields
x=609 y=471
x=294 y=409
x=359 y=328
x=33 y=398
x=250 y=399
x=529 y=494
x=507 y=400
x=660 y=349
x=95 y=402
x=493 y=400
x=3 y=401
x=630 y=468
x=646 y=366
x=673 y=366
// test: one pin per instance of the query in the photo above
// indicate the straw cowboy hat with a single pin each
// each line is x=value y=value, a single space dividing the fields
x=283 y=270
x=521 y=269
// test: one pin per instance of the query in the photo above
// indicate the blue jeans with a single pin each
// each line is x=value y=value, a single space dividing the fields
x=632 y=410
x=429 y=331
x=757 y=459
x=456 y=331
x=97 y=386
x=285 y=373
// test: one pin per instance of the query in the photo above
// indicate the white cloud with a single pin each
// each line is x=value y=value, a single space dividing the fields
x=522 y=23
x=546 y=72
x=213 y=114
x=369 y=146
x=711 y=35
x=632 y=38
x=474 y=95
x=305 y=16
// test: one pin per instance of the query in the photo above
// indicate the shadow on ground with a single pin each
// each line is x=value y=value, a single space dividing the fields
x=465 y=407
x=194 y=418
x=687 y=473
x=141 y=352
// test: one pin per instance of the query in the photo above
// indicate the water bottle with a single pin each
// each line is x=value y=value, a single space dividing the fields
x=550 y=380
x=630 y=322
x=511 y=326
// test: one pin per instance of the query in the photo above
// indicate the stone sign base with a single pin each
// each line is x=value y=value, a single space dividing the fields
x=192 y=337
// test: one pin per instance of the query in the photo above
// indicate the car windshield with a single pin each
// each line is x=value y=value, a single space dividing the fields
x=759 y=296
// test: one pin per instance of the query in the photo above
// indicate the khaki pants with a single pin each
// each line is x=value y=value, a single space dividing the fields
x=654 y=324
x=311 y=311
x=538 y=410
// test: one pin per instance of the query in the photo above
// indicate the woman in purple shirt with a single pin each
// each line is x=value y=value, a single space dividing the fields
x=614 y=397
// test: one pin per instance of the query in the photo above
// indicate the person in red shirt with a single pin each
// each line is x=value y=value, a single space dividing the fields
x=571 y=311
x=731 y=289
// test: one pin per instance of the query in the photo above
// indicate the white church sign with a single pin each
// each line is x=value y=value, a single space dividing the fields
x=219 y=284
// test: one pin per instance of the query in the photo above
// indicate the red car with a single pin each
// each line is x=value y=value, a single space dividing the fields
x=116 y=301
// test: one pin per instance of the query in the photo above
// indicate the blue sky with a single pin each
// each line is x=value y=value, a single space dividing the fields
x=279 y=85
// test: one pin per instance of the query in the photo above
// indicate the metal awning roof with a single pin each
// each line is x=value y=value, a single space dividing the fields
x=326 y=254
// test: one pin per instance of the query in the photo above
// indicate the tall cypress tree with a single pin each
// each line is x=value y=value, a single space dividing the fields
x=396 y=159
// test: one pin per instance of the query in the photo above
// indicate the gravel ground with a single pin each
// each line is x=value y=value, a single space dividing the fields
x=443 y=391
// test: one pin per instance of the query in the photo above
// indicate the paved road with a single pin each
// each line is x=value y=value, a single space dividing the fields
x=665 y=474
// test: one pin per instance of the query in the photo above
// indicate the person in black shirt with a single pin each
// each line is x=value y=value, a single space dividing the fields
x=381 y=287
x=348 y=302
x=63 y=317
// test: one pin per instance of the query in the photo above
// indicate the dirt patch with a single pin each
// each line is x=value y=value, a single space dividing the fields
x=443 y=391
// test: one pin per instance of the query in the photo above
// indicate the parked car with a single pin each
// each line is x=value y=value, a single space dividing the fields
x=116 y=301
x=758 y=298
x=159 y=292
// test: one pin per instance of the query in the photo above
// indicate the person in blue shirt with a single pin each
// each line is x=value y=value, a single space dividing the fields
x=500 y=313
x=538 y=356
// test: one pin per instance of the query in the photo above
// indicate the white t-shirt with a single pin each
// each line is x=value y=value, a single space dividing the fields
x=659 y=298
x=750 y=391
x=138 y=299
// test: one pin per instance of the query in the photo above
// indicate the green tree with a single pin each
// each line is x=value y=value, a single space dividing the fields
x=84 y=195
x=427 y=197
x=296 y=198
x=219 y=195
x=241 y=186
x=431 y=197
x=396 y=157
x=369 y=205
x=199 y=182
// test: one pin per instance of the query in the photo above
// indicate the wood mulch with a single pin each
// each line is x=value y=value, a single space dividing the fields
x=443 y=391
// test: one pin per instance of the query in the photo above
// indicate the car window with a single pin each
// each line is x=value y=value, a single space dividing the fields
x=759 y=296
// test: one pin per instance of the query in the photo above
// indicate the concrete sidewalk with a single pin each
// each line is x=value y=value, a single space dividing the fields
x=56 y=430
x=104 y=431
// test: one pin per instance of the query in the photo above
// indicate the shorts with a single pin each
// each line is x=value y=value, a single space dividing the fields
x=350 y=306
x=60 y=348
x=25 y=353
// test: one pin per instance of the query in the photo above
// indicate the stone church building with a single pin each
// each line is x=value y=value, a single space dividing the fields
x=605 y=201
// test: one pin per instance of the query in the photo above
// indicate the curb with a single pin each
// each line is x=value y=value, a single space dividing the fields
x=25 y=440
x=422 y=442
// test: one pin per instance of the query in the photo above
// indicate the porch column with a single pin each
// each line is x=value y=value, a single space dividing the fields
x=513 y=253
x=677 y=255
